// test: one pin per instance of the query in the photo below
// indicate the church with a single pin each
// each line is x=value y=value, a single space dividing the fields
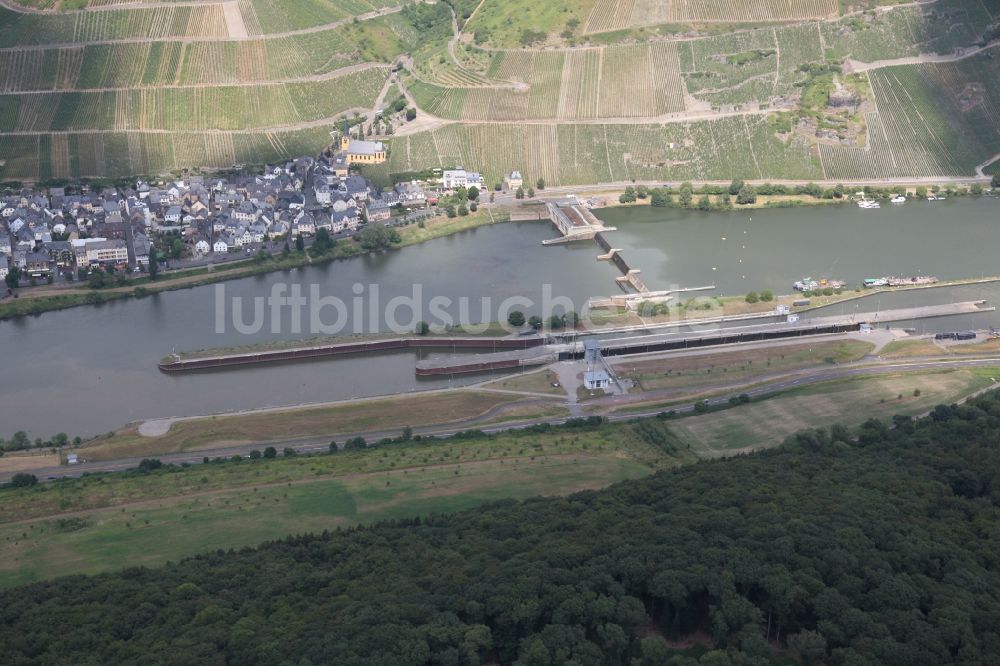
x=362 y=152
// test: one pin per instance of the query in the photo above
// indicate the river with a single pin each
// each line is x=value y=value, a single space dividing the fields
x=87 y=370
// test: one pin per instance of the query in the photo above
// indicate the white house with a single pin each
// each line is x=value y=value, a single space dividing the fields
x=322 y=192
x=201 y=245
x=107 y=252
x=173 y=215
x=514 y=180
x=4 y=269
x=453 y=178
x=304 y=224
x=596 y=379
x=220 y=246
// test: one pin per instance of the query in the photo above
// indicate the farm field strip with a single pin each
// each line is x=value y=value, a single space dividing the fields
x=203 y=108
x=909 y=31
x=608 y=15
x=632 y=81
x=932 y=120
x=138 y=152
x=126 y=64
x=565 y=153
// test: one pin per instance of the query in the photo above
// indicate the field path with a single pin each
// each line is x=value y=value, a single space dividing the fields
x=979 y=169
x=856 y=66
x=235 y=26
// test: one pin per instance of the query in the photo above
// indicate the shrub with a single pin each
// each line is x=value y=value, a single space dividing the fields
x=23 y=480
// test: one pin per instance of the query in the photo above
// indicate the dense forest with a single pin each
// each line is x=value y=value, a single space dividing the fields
x=878 y=546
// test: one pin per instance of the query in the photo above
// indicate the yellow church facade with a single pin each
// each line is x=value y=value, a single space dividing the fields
x=362 y=152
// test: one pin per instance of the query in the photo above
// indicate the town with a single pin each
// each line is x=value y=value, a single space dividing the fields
x=63 y=235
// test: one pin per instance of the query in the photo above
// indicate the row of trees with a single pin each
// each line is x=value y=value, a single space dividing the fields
x=843 y=547
x=20 y=441
x=555 y=322
x=765 y=296
x=663 y=197
x=738 y=192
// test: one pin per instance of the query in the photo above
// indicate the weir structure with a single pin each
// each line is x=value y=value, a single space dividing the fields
x=575 y=221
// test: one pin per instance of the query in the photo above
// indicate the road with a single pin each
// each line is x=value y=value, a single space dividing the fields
x=317 y=444
x=856 y=66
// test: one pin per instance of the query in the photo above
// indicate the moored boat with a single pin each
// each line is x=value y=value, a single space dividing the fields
x=809 y=284
x=893 y=281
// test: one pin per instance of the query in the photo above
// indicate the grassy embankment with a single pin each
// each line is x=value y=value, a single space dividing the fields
x=262 y=426
x=34 y=301
x=734 y=367
x=105 y=522
x=916 y=347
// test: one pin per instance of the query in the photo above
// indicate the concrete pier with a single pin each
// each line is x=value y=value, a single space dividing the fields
x=457 y=365
x=241 y=358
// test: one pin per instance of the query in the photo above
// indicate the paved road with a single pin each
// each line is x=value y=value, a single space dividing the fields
x=316 y=444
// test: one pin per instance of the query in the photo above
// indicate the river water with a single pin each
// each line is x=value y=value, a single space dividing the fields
x=88 y=370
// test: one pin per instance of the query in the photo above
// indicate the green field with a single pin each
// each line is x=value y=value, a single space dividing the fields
x=849 y=402
x=105 y=522
x=153 y=533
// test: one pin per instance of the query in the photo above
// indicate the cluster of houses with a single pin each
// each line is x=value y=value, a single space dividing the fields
x=55 y=232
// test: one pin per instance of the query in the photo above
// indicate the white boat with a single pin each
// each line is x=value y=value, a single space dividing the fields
x=898 y=199
x=865 y=203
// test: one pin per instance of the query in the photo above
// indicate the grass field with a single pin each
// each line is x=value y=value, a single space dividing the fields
x=910 y=348
x=104 y=522
x=848 y=402
x=540 y=381
x=153 y=533
x=386 y=413
x=682 y=371
x=17 y=461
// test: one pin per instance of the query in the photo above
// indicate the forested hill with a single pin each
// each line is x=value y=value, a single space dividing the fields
x=874 y=547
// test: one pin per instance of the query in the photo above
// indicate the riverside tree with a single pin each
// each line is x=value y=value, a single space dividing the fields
x=746 y=195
